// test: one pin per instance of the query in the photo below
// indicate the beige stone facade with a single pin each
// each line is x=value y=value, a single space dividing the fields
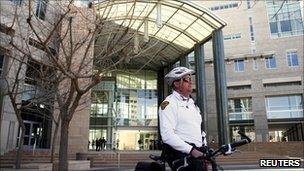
x=22 y=34
x=252 y=52
x=237 y=20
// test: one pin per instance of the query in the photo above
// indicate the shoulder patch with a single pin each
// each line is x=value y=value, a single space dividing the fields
x=164 y=104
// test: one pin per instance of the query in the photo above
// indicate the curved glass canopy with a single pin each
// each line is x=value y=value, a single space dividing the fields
x=159 y=32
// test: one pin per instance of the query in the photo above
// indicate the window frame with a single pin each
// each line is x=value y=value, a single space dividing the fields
x=237 y=65
x=277 y=22
x=41 y=9
x=289 y=58
x=266 y=62
x=288 y=107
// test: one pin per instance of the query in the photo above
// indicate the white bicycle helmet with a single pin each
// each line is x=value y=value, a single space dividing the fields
x=177 y=73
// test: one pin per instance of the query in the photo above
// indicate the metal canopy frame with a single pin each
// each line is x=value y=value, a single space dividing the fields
x=173 y=27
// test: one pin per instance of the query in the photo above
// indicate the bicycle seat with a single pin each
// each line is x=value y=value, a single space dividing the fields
x=155 y=158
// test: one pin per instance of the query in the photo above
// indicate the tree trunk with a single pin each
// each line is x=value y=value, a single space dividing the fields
x=54 y=142
x=20 y=147
x=64 y=141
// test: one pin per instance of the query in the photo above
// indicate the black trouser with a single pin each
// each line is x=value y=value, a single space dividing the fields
x=175 y=159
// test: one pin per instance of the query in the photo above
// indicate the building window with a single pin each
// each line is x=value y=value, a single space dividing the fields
x=232 y=36
x=255 y=64
x=283 y=84
x=270 y=62
x=248 y=130
x=285 y=18
x=41 y=9
x=1 y=63
x=17 y=2
x=239 y=65
x=239 y=87
x=292 y=59
x=289 y=106
x=248 y=4
x=251 y=29
x=240 y=109
x=226 y=6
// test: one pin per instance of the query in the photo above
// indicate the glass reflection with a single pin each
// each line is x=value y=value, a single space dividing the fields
x=136 y=99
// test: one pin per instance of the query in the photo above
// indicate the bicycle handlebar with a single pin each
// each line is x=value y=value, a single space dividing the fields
x=239 y=143
x=226 y=149
x=242 y=141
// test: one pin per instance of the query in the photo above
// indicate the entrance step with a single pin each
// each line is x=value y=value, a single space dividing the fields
x=130 y=160
x=27 y=157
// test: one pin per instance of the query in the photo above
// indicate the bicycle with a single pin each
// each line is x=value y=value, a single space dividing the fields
x=209 y=157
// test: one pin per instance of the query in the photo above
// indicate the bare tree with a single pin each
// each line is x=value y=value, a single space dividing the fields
x=26 y=94
x=79 y=48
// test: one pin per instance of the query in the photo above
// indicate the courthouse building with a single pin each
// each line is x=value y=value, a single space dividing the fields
x=263 y=43
x=263 y=50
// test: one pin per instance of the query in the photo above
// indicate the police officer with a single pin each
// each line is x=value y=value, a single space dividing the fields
x=180 y=123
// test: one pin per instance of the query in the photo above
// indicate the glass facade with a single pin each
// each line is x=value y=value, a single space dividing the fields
x=136 y=99
x=137 y=140
x=102 y=114
x=248 y=130
x=285 y=18
x=289 y=106
x=277 y=136
x=240 y=109
x=124 y=111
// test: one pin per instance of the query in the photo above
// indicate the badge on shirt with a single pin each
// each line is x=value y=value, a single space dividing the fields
x=163 y=105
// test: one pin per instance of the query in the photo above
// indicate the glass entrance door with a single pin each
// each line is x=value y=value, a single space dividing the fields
x=33 y=132
x=137 y=140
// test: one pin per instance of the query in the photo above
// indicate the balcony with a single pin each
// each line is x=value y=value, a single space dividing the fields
x=237 y=116
x=280 y=114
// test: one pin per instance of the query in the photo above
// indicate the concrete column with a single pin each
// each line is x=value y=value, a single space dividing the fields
x=259 y=112
x=201 y=95
x=220 y=86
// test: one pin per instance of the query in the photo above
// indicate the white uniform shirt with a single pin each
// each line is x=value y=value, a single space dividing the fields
x=180 y=122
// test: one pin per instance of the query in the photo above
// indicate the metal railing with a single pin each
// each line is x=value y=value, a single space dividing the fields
x=233 y=116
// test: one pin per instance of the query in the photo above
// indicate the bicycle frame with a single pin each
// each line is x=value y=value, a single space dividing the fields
x=209 y=156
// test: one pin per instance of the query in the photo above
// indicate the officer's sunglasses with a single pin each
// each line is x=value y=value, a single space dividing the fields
x=187 y=79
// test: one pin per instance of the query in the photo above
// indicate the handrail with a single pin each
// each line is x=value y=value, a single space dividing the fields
x=118 y=158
